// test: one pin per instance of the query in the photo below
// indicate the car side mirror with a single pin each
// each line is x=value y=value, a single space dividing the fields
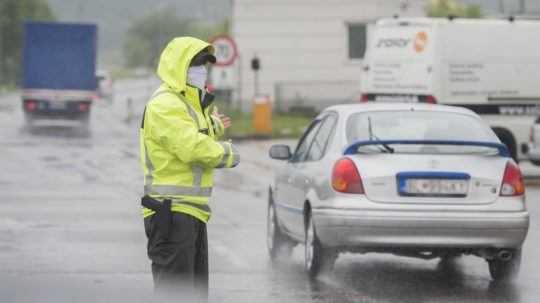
x=280 y=152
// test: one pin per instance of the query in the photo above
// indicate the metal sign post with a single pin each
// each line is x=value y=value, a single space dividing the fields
x=223 y=73
x=255 y=66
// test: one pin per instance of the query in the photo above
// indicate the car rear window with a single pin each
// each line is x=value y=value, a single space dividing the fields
x=419 y=125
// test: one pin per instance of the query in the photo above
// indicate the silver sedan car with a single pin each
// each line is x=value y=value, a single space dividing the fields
x=415 y=180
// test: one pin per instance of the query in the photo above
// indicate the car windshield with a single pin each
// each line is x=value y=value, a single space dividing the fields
x=419 y=126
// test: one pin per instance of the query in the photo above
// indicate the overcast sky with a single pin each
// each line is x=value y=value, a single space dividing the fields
x=114 y=16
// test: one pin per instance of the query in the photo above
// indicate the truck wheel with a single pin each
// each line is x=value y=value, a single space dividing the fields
x=277 y=242
x=447 y=262
x=29 y=122
x=85 y=122
x=84 y=127
x=317 y=258
x=505 y=270
x=535 y=162
x=507 y=139
x=28 y=119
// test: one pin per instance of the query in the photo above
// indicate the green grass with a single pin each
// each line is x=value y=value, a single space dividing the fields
x=284 y=125
x=7 y=88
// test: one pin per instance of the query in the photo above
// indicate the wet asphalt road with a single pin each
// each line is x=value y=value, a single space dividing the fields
x=71 y=231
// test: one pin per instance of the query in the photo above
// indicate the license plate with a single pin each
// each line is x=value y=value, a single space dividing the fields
x=396 y=98
x=57 y=105
x=435 y=187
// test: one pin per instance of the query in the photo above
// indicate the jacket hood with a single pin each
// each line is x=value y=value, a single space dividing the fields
x=175 y=59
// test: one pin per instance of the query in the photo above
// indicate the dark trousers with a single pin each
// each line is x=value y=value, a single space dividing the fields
x=180 y=262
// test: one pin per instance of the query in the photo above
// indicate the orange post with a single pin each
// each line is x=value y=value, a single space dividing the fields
x=262 y=115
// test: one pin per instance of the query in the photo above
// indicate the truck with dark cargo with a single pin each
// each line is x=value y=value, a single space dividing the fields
x=59 y=71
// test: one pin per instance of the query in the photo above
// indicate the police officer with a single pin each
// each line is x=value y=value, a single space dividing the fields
x=179 y=152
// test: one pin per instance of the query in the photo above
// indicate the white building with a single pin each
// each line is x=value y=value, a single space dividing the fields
x=310 y=50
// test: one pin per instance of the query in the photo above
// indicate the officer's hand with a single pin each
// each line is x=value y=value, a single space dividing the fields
x=224 y=119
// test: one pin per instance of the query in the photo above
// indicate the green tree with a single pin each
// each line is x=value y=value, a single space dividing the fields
x=206 y=31
x=14 y=13
x=446 y=8
x=147 y=36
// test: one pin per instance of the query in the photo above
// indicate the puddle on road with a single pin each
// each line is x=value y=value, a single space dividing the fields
x=55 y=136
x=88 y=177
x=6 y=108
x=60 y=132
x=49 y=158
x=9 y=227
x=231 y=179
x=129 y=154
x=43 y=225
x=91 y=163
x=63 y=166
x=7 y=248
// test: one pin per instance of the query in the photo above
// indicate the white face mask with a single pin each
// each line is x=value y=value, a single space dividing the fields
x=197 y=76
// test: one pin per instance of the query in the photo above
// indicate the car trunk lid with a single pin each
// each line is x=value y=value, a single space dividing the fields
x=387 y=178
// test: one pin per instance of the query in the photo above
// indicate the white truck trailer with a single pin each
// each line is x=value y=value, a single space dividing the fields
x=489 y=66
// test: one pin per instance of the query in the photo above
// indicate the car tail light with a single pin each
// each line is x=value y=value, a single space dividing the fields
x=30 y=105
x=364 y=98
x=431 y=99
x=512 y=184
x=84 y=107
x=345 y=177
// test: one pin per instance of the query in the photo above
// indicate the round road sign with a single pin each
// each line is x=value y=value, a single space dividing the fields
x=225 y=50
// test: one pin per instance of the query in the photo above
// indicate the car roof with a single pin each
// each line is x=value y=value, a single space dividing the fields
x=379 y=106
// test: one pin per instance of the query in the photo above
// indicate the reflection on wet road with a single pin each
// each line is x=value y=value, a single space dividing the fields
x=71 y=231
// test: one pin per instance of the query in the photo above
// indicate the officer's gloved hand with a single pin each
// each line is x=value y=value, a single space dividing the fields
x=231 y=157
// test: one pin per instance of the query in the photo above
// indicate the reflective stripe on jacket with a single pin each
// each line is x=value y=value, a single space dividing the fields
x=178 y=145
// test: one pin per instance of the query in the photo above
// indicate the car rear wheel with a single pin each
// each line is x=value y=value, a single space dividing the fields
x=317 y=258
x=505 y=270
x=278 y=244
x=84 y=129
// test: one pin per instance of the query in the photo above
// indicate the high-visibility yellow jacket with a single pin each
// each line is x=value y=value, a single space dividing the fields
x=178 y=137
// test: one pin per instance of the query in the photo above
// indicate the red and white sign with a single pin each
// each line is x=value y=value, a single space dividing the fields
x=225 y=50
